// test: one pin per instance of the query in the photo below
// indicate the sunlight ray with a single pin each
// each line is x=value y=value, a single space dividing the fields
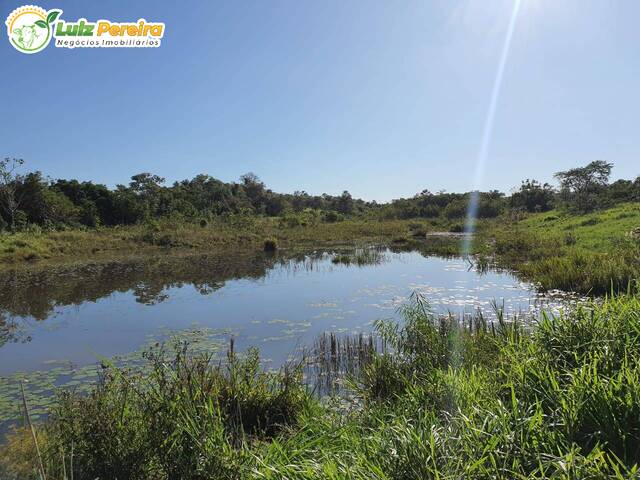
x=472 y=210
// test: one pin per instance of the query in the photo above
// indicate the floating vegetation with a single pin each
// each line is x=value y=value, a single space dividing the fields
x=278 y=320
x=324 y=305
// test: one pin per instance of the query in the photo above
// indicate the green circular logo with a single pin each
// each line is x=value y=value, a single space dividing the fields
x=30 y=28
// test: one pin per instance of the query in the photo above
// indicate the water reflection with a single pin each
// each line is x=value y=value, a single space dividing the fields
x=28 y=298
x=56 y=325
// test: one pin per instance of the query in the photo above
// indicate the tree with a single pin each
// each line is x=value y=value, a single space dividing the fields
x=42 y=204
x=344 y=203
x=533 y=196
x=206 y=194
x=580 y=187
x=10 y=199
x=96 y=201
x=148 y=188
x=254 y=190
x=456 y=208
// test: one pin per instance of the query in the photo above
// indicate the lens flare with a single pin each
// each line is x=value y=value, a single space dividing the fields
x=474 y=199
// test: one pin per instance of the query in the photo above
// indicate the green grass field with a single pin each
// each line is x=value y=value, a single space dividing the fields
x=591 y=254
x=594 y=232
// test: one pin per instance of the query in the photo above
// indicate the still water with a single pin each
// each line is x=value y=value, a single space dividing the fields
x=56 y=326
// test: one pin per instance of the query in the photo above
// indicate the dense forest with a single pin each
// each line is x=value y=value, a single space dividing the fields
x=28 y=199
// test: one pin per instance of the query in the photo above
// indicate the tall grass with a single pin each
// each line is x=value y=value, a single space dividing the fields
x=591 y=254
x=438 y=397
x=555 y=261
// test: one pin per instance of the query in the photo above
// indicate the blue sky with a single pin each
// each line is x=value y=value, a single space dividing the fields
x=383 y=98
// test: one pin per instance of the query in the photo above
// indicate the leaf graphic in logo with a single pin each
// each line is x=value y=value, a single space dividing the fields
x=52 y=16
x=41 y=23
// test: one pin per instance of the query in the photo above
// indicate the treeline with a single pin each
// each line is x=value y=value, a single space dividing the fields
x=31 y=199
x=581 y=190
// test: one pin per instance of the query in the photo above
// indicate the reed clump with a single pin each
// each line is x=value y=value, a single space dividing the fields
x=361 y=257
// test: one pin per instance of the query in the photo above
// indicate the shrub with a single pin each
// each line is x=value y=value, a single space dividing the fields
x=570 y=239
x=332 y=217
x=270 y=245
x=183 y=416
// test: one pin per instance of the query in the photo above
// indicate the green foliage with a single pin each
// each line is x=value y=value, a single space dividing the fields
x=449 y=206
x=592 y=253
x=69 y=202
x=581 y=188
x=305 y=218
x=61 y=203
x=558 y=402
x=533 y=197
x=332 y=217
x=183 y=416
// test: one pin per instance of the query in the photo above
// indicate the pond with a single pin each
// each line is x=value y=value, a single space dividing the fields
x=56 y=326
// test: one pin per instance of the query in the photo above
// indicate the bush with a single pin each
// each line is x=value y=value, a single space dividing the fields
x=332 y=217
x=417 y=229
x=183 y=416
x=160 y=240
x=570 y=239
x=290 y=221
x=270 y=245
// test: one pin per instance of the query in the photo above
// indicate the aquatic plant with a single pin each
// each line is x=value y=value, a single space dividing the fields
x=360 y=257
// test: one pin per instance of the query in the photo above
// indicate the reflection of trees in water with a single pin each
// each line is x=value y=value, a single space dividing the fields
x=35 y=295
x=12 y=330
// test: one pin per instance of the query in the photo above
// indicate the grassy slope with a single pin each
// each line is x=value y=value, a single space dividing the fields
x=587 y=253
x=595 y=232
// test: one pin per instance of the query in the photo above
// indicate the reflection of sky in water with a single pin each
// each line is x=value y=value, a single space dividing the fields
x=278 y=313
